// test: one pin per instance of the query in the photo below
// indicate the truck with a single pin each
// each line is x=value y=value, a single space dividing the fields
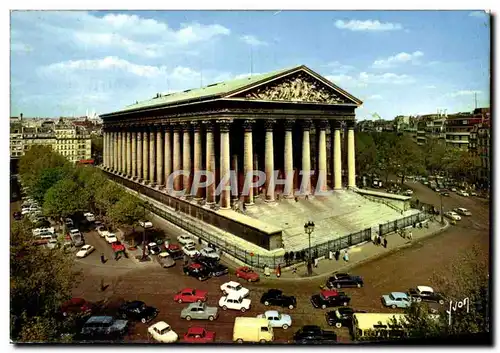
x=252 y=329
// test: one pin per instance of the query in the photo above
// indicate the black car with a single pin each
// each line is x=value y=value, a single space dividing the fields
x=311 y=334
x=137 y=310
x=422 y=293
x=197 y=271
x=276 y=297
x=328 y=298
x=216 y=269
x=105 y=327
x=340 y=280
x=341 y=317
x=176 y=253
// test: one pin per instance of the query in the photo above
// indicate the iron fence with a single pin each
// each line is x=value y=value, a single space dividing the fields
x=393 y=226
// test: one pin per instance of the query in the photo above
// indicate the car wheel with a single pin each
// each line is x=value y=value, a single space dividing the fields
x=124 y=316
x=224 y=307
x=419 y=300
x=359 y=285
x=224 y=292
x=179 y=301
x=285 y=326
x=266 y=303
x=243 y=310
x=393 y=306
x=200 y=278
x=290 y=306
x=211 y=318
x=143 y=320
x=262 y=341
x=237 y=275
x=198 y=301
x=338 y=325
x=338 y=285
x=188 y=318
x=249 y=280
x=441 y=301
x=345 y=303
x=239 y=340
x=323 y=306
x=65 y=314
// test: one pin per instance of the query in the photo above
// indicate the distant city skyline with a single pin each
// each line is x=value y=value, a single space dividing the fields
x=397 y=62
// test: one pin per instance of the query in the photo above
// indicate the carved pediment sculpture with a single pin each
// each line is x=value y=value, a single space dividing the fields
x=300 y=88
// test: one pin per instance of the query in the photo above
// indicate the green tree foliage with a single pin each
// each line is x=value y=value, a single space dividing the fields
x=41 y=280
x=127 y=211
x=106 y=195
x=96 y=143
x=64 y=199
x=366 y=154
x=48 y=177
x=406 y=157
x=90 y=179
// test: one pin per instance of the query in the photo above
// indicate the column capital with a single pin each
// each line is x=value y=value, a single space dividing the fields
x=224 y=125
x=336 y=124
x=288 y=123
x=269 y=124
x=185 y=126
x=350 y=124
x=196 y=126
x=248 y=124
x=209 y=125
x=323 y=124
x=176 y=126
x=306 y=124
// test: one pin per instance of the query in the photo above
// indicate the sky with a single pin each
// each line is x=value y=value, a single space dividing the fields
x=397 y=62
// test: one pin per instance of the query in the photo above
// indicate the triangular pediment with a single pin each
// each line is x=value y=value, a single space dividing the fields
x=301 y=85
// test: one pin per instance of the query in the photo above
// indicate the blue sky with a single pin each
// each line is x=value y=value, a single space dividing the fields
x=397 y=62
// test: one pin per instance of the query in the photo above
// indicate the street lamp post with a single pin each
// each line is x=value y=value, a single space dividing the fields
x=442 y=220
x=309 y=228
x=144 y=232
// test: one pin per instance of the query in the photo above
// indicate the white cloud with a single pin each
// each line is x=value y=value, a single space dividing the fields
x=339 y=68
x=386 y=78
x=374 y=97
x=398 y=59
x=430 y=87
x=480 y=14
x=252 y=40
x=463 y=93
x=368 y=25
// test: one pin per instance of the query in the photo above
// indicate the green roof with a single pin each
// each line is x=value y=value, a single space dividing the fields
x=216 y=89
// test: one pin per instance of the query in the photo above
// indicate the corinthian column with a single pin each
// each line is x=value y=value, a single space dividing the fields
x=225 y=200
x=186 y=157
x=114 y=145
x=159 y=156
x=306 y=157
x=119 y=148
x=351 y=152
x=322 y=156
x=337 y=156
x=139 y=155
x=168 y=156
x=177 y=157
x=152 y=156
x=104 y=148
x=145 y=155
x=128 y=147
x=248 y=161
x=269 y=160
x=124 y=152
x=288 y=191
x=197 y=156
x=134 y=153
x=210 y=161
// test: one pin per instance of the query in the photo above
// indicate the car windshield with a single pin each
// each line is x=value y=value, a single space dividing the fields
x=165 y=330
x=392 y=297
x=209 y=251
x=238 y=287
x=322 y=296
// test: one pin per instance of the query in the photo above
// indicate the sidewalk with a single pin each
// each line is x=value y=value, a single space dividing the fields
x=358 y=254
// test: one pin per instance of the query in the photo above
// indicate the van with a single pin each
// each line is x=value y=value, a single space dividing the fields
x=252 y=329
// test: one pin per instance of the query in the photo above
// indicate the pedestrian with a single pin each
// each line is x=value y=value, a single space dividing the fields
x=337 y=255
x=186 y=260
x=316 y=262
x=307 y=197
x=294 y=270
x=103 y=260
x=278 y=271
x=379 y=239
x=296 y=199
x=410 y=235
x=102 y=285
x=346 y=256
x=267 y=273
x=385 y=243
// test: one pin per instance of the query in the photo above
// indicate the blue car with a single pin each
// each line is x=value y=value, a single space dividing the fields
x=396 y=300
x=276 y=319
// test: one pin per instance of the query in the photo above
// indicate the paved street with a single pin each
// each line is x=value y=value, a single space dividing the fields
x=398 y=271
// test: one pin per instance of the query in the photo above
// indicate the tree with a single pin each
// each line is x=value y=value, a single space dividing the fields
x=41 y=279
x=47 y=178
x=90 y=179
x=106 y=195
x=96 y=144
x=127 y=211
x=366 y=153
x=64 y=199
x=406 y=157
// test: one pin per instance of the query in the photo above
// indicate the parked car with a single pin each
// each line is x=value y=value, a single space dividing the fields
x=473 y=193
x=190 y=250
x=162 y=332
x=102 y=230
x=462 y=193
x=340 y=280
x=234 y=287
x=76 y=237
x=190 y=295
x=183 y=239
x=247 y=274
x=110 y=238
x=234 y=301
x=425 y=293
x=200 y=311
x=277 y=319
x=40 y=231
x=452 y=215
x=153 y=248
x=445 y=193
x=462 y=211
x=199 y=335
x=69 y=222
x=146 y=224
x=107 y=326
x=314 y=334
x=76 y=306
x=166 y=260
x=137 y=310
x=276 y=297
x=209 y=252
x=454 y=189
x=408 y=192
x=396 y=300
x=85 y=251
x=197 y=271
x=214 y=268
x=175 y=251
x=89 y=216
x=329 y=298
x=341 y=317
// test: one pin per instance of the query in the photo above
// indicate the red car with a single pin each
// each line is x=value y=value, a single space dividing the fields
x=76 y=306
x=247 y=273
x=199 y=335
x=327 y=293
x=189 y=295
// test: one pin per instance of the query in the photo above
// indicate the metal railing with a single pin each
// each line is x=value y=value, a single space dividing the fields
x=393 y=226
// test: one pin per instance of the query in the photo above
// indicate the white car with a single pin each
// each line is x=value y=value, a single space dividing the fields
x=453 y=215
x=473 y=193
x=146 y=224
x=209 y=252
x=184 y=239
x=39 y=231
x=234 y=301
x=277 y=319
x=233 y=287
x=454 y=189
x=408 y=192
x=69 y=222
x=84 y=251
x=462 y=193
x=162 y=332
x=75 y=232
x=52 y=244
x=462 y=211
x=110 y=238
x=190 y=250
x=89 y=216
x=102 y=231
